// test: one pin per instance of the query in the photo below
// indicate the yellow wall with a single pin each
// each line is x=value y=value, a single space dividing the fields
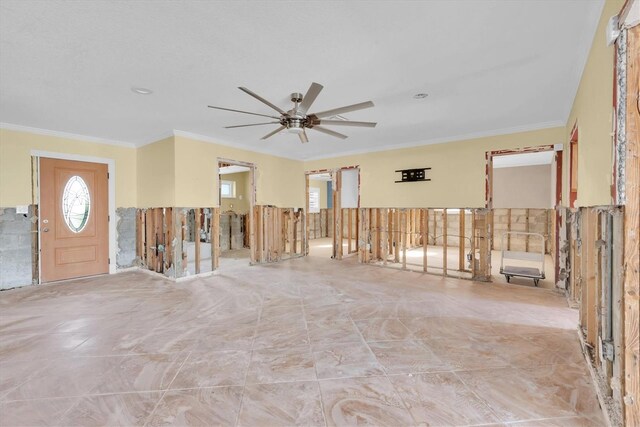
x=156 y=174
x=457 y=170
x=592 y=111
x=15 y=164
x=279 y=181
x=239 y=204
x=322 y=185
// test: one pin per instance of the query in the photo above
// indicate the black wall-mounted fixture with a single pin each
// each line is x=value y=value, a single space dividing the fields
x=414 y=175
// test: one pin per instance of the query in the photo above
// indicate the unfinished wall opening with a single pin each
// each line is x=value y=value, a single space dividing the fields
x=320 y=218
x=333 y=198
x=524 y=197
x=236 y=195
x=436 y=241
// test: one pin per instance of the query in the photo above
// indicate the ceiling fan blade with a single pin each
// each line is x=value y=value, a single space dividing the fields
x=261 y=99
x=303 y=136
x=310 y=96
x=346 y=123
x=244 y=112
x=253 y=124
x=329 y=132
x=270 y=134
x=348 y=108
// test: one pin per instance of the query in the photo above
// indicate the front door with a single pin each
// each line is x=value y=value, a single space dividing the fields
x=74 y=221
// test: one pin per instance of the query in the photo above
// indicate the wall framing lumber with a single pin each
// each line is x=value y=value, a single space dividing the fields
x=631 y=234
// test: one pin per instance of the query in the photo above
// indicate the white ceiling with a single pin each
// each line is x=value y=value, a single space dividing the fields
x=489 y=67
x=523 y=159
x=226 y=170
x=321 y=176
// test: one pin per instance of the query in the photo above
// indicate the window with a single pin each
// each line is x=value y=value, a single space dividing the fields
x=76 y=204
x=314 y=200
x=228 y=189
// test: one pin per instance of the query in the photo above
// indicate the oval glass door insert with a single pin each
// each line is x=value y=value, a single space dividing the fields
x=76 y=204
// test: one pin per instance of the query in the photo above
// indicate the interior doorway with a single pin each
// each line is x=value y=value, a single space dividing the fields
x=333 y=199
x=74 y=219
x=320 y=214
x=523 y=198
x=236 y=195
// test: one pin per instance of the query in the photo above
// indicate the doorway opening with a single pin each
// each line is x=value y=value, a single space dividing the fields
x=333 y=199
x=523 y=197
x=236 y=192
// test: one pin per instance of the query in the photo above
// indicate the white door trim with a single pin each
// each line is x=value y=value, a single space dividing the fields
x=111 y=168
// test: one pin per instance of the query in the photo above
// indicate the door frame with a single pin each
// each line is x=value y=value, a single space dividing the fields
x=488 y=194
x=253 y=172
x=335 y=173
x=111 y=169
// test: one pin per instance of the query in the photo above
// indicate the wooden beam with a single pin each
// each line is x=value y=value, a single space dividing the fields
x=526 y=229
x=632 y=235
x=444 y=242
x=349 y=226
x=508 y=229
x=384 y=236
x=425 y=238
x=461 y=241
x=306 y=219
x=473 y=243
x=403 y=227
x=198 y=225
x=215 y=238
x=337 y=215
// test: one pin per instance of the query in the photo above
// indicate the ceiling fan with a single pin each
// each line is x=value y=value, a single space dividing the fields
x=298 y=118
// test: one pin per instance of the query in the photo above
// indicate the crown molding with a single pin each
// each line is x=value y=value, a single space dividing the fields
x=210 y=140
x=458 y=138
x=58 y=134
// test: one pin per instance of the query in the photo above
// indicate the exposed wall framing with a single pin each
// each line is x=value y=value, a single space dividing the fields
x=278 y=234
x=163 y=235
x=632 y=233
x=387 y=236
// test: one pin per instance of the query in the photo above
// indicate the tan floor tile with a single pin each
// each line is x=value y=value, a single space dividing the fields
x=343 y=360
x=544 y=392
x=404 y=357
x=148 y=372
x=277 y=365
x=44 y=412
x=127 y=409
x=283 y=404
x=363 y=401
x=206 y=406
x=64 y=378
x=441 y=399
x=383 y=329
x=333 y=331
x=214 y=368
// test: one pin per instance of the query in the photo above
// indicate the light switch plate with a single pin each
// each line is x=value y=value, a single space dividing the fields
x=22 y=209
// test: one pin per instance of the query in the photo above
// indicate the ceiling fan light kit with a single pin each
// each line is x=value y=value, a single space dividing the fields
x=297 y=120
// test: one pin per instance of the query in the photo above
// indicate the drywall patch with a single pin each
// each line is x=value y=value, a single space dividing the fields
x=126 y=236
x=15 y=248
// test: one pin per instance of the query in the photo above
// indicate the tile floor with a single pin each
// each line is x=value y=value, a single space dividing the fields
x=308 y=342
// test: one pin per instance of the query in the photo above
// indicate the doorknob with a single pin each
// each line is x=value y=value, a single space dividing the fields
x=45 y=229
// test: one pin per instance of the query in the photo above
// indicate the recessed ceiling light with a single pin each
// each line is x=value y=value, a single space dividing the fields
x=420 y=95
x=142 y=90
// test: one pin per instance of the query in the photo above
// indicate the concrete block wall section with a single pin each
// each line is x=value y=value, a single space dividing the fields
x=126 y=236
x=15 y=248
x=538 y=222
x=436 y=233
x=231 y=231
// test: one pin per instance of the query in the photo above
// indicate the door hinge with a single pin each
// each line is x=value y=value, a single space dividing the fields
x=108 y=218
x=109 y=260
x=107 y=175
